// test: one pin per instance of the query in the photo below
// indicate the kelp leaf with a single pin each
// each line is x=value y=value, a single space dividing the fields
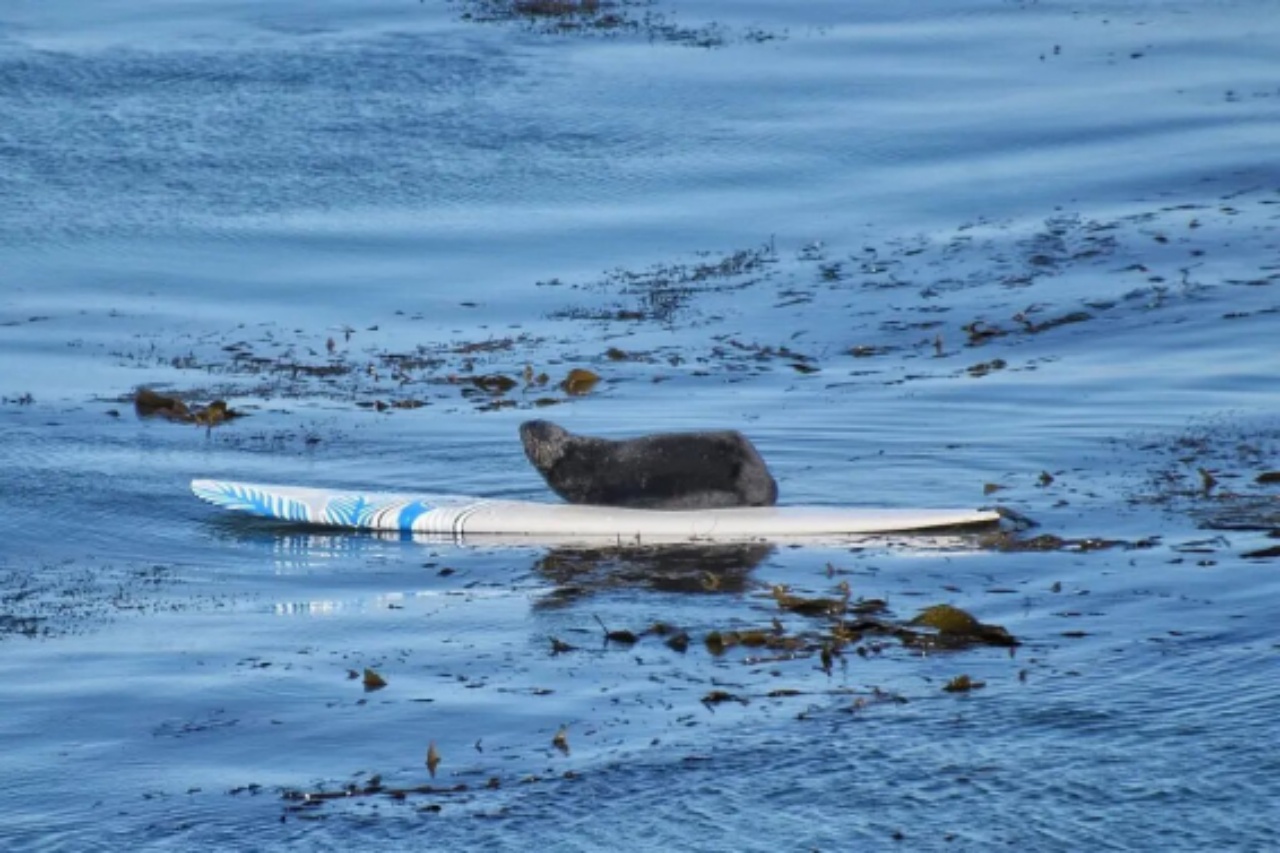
x=963 y=684
x=955 y=626
x=561 y=740
x=149 y=404
x=433 y=759
x=494 y=383
x=373 y=681
x=579 y=381
x=808 y=606
x=214 y=414
x=947 y=619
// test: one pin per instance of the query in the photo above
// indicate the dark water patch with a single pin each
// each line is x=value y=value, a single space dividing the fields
x=385 y=366
x=1010 y=541
x=42 y=601
x=640 y=19
x=661 y=715
x=698 y=569
x=1216 y=471
x=897 y=768
x=666 y=293
x=368 y=375
x=137 y=136
x=932 y=278
x=149 y=404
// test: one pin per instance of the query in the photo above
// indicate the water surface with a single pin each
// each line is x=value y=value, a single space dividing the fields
x=915 y=253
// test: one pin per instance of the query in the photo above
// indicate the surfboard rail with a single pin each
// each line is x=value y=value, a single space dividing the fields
x=458 y=515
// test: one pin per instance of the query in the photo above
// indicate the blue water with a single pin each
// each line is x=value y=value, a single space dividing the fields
x=792 y=231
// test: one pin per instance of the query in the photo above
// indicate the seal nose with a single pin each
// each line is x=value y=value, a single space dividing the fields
x=541 y=442
x=534 y=431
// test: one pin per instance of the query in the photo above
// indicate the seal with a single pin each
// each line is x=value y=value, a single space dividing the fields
x=679 y=470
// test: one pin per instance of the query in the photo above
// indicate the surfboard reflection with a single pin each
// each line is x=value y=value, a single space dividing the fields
x=586 y=563
x=699 y=568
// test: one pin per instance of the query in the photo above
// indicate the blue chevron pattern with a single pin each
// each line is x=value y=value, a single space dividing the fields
x=256 y=502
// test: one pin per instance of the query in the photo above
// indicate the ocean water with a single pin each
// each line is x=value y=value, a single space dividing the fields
x=961 y=253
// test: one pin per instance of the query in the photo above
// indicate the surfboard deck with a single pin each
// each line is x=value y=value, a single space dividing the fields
x=459 y=515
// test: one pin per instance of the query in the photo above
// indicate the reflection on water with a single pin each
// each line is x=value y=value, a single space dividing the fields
x=687 y=568
x=307 y=608
x=672 y=566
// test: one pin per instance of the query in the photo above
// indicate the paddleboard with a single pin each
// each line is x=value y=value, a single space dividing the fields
x=458 y=515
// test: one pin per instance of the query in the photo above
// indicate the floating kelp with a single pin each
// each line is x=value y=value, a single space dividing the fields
x=579 y=381
x=846 y=634
x=150 y=404
x=213 y=414
x=947 y=619
x=373 y=787
x=955 y=628
x=985 y=367
x=963 y=684
x=675 y=639
x=719 y=642
x=623 y=636
x=878 y=697
x=372 y=681
x=494 y=383
x=980 y=332
x=719 y=697
x=561 y=740
x=678 y=642
x=433 y=759
x=531 y=379
x=867 y=606
x=557 y=8
x=663 y=293
x=1213 y=472
x=300 y=802
x=809 y=606
x=607 y=17
x=1032 y=327
x=1010 y=542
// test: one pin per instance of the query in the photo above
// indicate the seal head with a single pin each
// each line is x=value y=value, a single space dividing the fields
x=687 y=470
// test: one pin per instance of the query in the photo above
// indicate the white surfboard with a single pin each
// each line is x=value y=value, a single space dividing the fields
x=457 y=515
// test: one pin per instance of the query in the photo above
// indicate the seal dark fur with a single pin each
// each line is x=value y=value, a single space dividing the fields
x=689 y=470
